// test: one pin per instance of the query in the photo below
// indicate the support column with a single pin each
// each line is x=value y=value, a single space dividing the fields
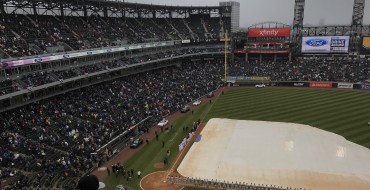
x=61 y=8
x=105 y=12
x=85 y=11
x=2 y=9
x=34 y=6
x=246 y=57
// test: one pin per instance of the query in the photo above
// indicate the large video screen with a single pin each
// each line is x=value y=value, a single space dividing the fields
x=325 y=44
x=365 y=45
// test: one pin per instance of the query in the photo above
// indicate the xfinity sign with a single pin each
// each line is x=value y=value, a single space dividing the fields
x=269 y=32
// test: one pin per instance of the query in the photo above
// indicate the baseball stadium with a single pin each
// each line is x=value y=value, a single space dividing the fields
x=116 y=95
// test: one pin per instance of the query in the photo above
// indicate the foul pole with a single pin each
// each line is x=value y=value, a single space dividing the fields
x=226 y=48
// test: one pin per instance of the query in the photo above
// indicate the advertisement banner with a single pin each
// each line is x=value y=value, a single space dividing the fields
x=268 y=51
x=255 y=78
x=365 y=45
x=14 y=63
x=345 y=85
x=365 y=86
x=298 y=84
x=225 y=39
x=247 y=78
x=325 y=44
x=240 y=51
x=231 y=79
x=262 y=51
x=268 y=32
x=321 y=84
x=185 y=41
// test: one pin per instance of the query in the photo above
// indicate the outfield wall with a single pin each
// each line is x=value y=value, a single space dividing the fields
x=300 y=84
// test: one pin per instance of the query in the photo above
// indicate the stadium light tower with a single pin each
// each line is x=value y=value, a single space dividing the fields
x=298 y=23
x=358 y=12
x=357 y=21
x=226 y=50
x=298 y=13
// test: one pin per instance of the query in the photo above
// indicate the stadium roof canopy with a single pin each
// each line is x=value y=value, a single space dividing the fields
x=119 y=3
x=269 y=24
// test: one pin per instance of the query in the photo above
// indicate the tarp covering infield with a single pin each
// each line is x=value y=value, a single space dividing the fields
x=275 y=153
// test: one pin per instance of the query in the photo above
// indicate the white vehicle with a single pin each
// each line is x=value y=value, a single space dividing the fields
x=197 y=102
x=120 y=187
x=163 y=122
x=260 y=86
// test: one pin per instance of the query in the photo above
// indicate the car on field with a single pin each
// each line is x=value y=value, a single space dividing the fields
x=163 y=122
x=185 y=109
x=260 y=86
x=120 y=187
x=136 y=143
x=210 y=95
x=197 y=102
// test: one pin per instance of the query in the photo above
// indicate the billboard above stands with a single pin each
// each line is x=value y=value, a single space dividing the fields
x=268 y=32
x=365 y=45
x=325 y=44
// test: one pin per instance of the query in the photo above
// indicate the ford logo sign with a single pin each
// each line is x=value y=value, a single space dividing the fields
x=316 y=42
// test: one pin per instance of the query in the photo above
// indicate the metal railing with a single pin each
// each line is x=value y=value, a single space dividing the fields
x=218 y=184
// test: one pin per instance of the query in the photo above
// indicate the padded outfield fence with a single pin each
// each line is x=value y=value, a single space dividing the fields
x=225 y=185
x=300 y=84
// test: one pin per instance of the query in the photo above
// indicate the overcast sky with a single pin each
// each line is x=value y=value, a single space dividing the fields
x=328 y=12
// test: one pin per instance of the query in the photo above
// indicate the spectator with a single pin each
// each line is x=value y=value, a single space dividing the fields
x=90 y=182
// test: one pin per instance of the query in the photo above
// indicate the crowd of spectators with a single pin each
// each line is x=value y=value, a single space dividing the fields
x=43 y=77
x=206 y=28
x=58 y=30
x=214 y=28
x=159 y=29
x=87 y=36
x=55 y=137
x=323 y=69
x=7 y=86
x=50 y=141
x=31 y=32
x=25 y=35
x=11 y=45
x=335 y=70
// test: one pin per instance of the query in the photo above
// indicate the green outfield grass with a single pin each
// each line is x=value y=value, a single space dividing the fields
x=346 y=113
x=343 y=112
x=145 y=159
